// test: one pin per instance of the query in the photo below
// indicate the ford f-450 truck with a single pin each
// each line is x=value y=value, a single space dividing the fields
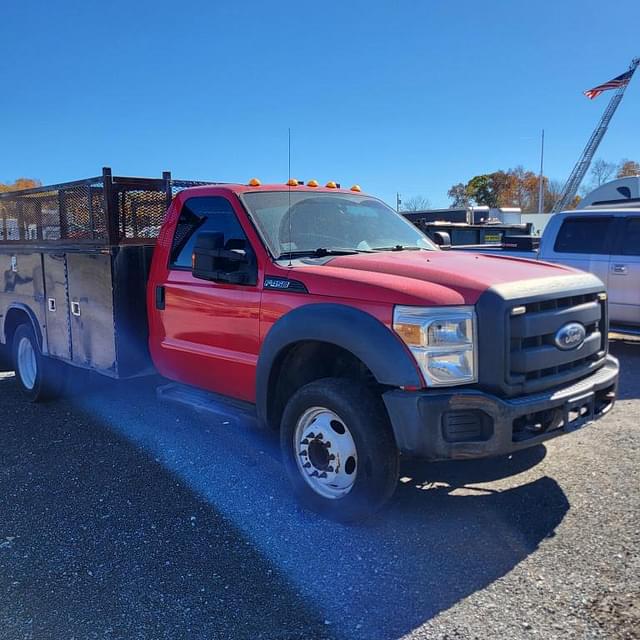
x=319 y=310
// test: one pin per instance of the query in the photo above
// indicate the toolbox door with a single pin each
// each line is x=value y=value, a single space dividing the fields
x=57 y=306
x=91 y=311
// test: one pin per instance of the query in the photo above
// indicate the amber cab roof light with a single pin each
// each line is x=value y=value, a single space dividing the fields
x=254 y=182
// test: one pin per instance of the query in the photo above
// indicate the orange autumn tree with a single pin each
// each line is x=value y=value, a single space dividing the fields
x=515 y=187
x=628 y=168
x=20 y=184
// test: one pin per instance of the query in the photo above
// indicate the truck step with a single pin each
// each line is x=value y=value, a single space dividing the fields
x=223 y=408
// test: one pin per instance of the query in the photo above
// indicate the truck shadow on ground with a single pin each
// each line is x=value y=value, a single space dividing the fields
x=133 y=519
x=99 y=540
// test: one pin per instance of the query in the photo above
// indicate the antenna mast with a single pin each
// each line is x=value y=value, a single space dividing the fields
x=582 y=166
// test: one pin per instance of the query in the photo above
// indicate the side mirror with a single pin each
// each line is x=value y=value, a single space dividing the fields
x=212 y=261
x=442 y=239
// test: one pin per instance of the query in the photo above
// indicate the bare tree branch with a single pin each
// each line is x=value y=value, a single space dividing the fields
x=601 y=172
x=416 y=203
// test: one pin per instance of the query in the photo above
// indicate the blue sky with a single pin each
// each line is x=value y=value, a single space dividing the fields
x=408 y=96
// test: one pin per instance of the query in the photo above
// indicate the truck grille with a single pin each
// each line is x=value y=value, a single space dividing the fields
x=534 y=361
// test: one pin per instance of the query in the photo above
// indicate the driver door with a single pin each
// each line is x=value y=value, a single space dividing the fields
x=211 y=329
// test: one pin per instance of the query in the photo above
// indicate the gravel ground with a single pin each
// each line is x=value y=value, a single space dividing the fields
x=124 y=518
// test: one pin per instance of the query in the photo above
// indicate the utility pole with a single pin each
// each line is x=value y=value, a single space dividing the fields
x=541 y=179
x=573 y=183
x=398 y=202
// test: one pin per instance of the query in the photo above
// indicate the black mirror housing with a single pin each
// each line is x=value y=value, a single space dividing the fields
x=442 y=239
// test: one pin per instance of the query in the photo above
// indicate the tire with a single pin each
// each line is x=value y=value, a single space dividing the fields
x=39 y=377
x=339 y=428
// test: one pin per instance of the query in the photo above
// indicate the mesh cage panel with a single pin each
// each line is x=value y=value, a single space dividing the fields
x=142 y=211
x=53 y=213
x=98 y=210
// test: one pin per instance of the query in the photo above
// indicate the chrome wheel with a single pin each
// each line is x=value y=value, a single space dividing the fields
x=325 y=452
x=27 y=363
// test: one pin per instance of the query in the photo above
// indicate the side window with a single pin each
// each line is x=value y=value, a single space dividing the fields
x=585 y=235
x=205 y=214
x=631 y=238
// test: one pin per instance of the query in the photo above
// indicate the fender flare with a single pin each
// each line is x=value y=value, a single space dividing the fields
x=356 y=331
x=18 y=306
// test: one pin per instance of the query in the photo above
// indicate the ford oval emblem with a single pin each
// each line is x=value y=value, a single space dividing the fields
x=570 y=336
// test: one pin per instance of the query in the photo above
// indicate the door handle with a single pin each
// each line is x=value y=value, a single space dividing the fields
x=160 y=297
x=620 y=269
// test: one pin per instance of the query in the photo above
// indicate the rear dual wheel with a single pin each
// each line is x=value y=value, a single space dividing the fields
x=338 y=449
x=39 y=377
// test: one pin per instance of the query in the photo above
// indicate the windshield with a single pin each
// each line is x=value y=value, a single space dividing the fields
x=324 y=223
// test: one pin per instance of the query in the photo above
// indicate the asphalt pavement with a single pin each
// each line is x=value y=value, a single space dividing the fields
x=124 y=518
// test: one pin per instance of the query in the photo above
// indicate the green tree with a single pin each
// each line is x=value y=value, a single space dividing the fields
x=482 y=190
x=459 y=196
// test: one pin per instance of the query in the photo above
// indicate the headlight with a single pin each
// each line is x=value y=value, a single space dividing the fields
x=442 y=340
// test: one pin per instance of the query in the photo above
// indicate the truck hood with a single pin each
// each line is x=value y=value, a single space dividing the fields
x=416 y=277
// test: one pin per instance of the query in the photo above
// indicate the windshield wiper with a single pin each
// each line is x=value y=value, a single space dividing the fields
x=398 y=247
x=321 y=252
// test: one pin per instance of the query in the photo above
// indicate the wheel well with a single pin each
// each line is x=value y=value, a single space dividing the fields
x=16 y=317
x=304 y=362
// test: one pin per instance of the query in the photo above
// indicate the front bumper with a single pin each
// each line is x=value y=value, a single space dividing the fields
x=467 y=423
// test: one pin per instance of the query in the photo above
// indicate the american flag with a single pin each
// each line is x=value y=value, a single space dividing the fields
x=616 y=83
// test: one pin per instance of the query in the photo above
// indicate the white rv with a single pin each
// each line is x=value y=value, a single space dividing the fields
x=623 y=192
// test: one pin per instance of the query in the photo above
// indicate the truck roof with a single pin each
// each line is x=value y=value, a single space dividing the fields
x=240 y=189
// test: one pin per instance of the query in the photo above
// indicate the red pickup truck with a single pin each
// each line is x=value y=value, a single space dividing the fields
x=318 y=310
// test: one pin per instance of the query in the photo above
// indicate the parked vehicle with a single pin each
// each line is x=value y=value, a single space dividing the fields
x=602 y=237
x=605 y=242
x=623 y=192
x=318 y=310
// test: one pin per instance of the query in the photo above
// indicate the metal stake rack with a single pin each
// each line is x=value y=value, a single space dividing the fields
x=106 y=209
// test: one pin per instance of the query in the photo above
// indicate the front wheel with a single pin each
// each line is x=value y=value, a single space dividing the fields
x=40 y=378
x=338 y=449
